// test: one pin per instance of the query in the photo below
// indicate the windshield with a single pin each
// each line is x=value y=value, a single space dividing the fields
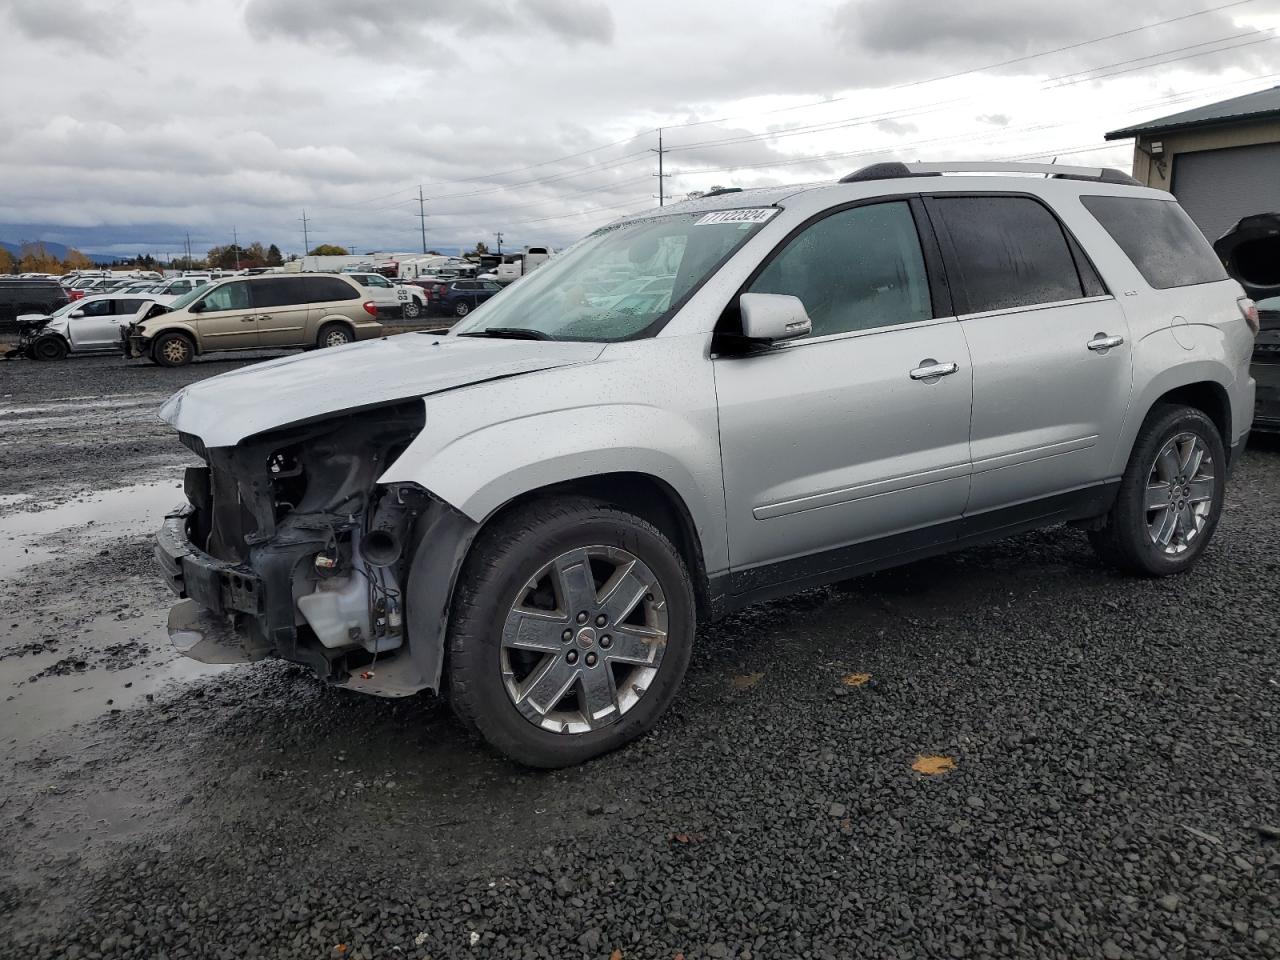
x=63 y=310
x=189 y=297
x=619 y=283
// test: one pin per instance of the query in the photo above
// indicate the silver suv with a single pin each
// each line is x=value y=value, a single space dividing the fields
x=698 y=408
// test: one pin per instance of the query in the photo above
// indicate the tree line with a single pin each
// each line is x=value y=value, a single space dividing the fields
x=36 y=258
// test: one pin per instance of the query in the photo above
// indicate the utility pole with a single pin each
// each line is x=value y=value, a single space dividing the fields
x=306 y=240
x=662 y=192
x=235 y=245
x=422 y=218
x=498 y=236
x=189 y=264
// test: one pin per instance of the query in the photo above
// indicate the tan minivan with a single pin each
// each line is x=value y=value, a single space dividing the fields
x=255 y=313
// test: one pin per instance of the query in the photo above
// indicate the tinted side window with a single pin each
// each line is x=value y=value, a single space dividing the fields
x=1006 y=252
x=279 y=293
x=854 y=270
x=228 y=296
x=325 y=289
x=98 y=308
x=128 y=306
x=1162 y=241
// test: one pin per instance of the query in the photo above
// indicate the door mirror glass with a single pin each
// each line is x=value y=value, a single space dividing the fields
x=76 y=314
x=770 y=317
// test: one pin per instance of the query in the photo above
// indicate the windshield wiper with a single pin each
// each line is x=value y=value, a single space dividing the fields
x=509 y=333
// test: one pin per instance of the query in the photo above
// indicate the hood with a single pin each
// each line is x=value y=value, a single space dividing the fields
x=223 y=410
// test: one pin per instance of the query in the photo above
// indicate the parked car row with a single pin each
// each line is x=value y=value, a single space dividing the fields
x=456 y=297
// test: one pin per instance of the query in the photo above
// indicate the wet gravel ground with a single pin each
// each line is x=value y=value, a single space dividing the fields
x=1111 y=743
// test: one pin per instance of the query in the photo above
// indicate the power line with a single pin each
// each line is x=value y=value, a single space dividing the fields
x=839 y=124
x=1047 y=85
x=972 y=70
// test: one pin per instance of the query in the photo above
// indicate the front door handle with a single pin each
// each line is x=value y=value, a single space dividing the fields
x=1101 y=343
x=931 y=371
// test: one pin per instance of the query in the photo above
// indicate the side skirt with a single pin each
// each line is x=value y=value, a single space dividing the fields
x=740 y=588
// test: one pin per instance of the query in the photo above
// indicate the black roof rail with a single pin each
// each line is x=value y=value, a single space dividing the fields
x=892 y=170
x=721 y=192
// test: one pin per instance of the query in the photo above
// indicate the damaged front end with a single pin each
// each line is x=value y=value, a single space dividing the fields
x=29 y=331
x=289 y=547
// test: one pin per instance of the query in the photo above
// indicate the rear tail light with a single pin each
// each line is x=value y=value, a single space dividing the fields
x=370 y=308
x=1249 y=310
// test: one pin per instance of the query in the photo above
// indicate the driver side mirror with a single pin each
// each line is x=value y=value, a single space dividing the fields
x=76 y=314
x=771 y=317
x=196 y=307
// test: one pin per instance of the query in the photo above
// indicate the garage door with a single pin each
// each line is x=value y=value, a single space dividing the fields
x=1218 y=187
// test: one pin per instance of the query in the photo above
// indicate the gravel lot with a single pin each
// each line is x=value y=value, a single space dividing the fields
x=1114 y=793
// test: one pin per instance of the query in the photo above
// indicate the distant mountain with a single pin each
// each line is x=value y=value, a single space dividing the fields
x=58 y=250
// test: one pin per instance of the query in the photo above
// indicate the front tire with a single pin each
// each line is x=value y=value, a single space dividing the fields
x=173 y=350
x=610 y=582
x=1170 y=497
x=51 y=347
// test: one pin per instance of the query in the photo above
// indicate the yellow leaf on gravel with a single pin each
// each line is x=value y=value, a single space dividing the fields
x=932 y=766
x=616 y=955
x=746 y=681
x=855 y=679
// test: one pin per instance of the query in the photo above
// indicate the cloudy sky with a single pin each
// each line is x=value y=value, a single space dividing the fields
x=128 y=123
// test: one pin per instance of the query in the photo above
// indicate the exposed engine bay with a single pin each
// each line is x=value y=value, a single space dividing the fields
x=304 y=553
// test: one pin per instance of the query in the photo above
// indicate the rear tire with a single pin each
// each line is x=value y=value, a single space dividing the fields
x=461 y=309
x=334 y=335
x=549 y=702
x=173 y=350
x=50 y=347
x=1170 y=497
x=412 y=310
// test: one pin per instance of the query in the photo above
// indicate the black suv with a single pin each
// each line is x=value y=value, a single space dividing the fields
x=19 y=296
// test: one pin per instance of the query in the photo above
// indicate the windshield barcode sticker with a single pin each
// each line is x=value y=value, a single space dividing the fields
x=754 y=215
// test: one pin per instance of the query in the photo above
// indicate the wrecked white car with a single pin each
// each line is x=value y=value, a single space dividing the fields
x=90 y=325
x=730 y=400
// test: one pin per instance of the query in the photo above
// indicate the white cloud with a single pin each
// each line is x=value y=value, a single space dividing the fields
x=154 y=118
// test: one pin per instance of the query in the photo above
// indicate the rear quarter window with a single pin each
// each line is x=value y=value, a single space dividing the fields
x=1162 y=241
x=326 y=289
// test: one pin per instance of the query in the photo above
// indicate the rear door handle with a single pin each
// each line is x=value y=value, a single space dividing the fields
x=931 y=371
x=1101 y=343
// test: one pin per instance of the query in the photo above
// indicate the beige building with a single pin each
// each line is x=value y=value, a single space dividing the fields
x=1221 y=161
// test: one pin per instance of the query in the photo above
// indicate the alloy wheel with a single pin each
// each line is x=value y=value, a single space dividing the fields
x=336 y=338
x=583 y=639
x=175 y=350
x=1180 y=489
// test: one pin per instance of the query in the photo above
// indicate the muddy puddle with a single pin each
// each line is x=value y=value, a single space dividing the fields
x=110 y=665
x=74 y=649
x=35 y=534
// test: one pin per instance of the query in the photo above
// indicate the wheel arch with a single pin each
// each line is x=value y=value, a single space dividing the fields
x=648 y=497
x=191 y=336
x=330 y=320
x=53 y=335
x=1200 y=385
x=447 y=538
